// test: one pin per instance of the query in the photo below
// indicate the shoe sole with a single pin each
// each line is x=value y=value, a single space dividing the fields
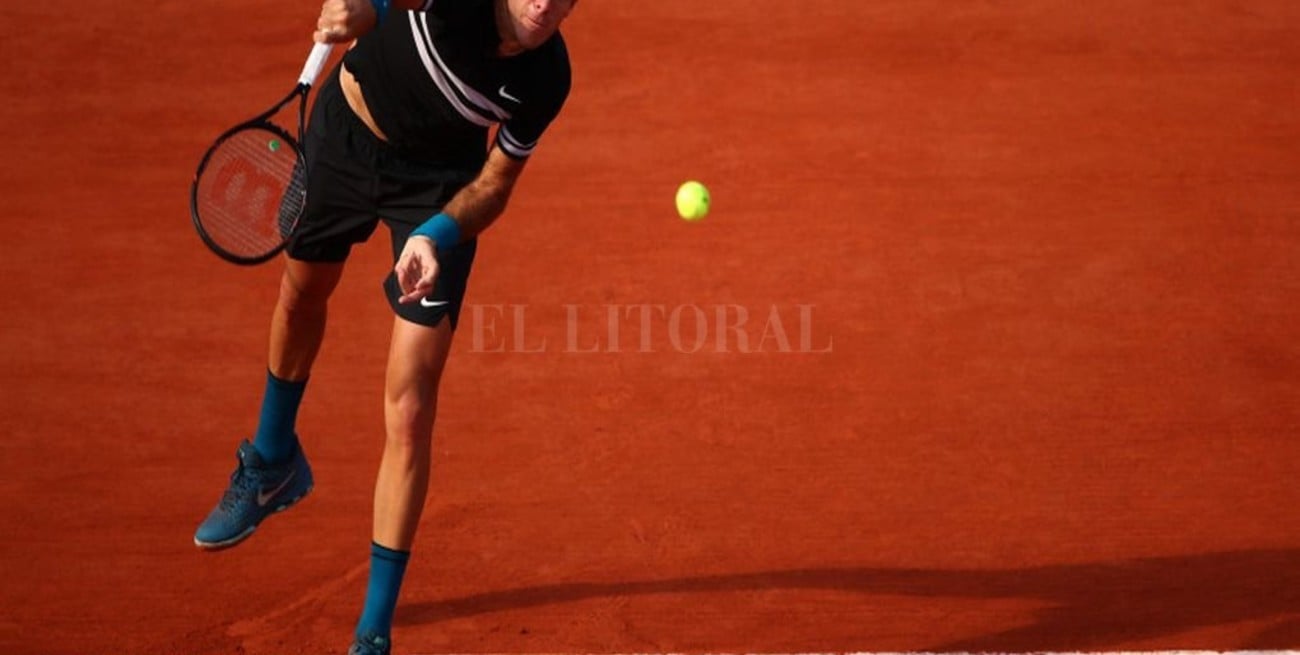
x=213 y=546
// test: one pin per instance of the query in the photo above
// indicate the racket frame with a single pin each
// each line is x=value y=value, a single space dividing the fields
x=315 y=62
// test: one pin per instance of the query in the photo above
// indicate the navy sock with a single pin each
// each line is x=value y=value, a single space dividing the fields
x=386 y=570
x=275 y=440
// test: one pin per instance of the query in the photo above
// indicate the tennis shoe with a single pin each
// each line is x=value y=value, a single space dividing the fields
x=370 y=643
x=257 y=490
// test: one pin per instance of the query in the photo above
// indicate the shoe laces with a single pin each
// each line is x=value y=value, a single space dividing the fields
x=241 y=487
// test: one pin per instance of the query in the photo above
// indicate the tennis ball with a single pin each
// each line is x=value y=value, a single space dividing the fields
x=273 y=144
x=693 y=201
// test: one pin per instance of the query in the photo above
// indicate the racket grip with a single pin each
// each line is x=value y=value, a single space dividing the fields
x=315 y=62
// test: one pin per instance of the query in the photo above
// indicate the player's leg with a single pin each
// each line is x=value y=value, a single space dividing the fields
x=297 y=331
x=272 y=472
x=417 y=355
x=298 y=320
x=415 y=362
x=421 y=340
x=340 y=212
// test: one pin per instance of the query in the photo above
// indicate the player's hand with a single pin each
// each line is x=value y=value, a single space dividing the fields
x=416 y=269
x=344 y=20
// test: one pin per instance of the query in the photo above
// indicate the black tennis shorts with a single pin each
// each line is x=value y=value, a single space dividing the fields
x=355 y=180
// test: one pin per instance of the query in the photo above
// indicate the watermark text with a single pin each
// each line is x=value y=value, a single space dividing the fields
x=646 y=328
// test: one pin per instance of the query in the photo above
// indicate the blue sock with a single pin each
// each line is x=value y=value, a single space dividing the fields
x=386 y=570
x=275 y=440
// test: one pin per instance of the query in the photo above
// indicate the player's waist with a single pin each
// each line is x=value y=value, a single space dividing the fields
x=357 y=102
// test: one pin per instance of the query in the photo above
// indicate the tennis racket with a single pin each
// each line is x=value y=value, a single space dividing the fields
x=250 y=187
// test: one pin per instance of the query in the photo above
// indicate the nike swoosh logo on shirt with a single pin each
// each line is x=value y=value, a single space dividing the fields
x=425 y=302
x=507 y=96
x=264 y=497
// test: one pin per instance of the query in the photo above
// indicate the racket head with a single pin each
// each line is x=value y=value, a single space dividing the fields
x=249 y=192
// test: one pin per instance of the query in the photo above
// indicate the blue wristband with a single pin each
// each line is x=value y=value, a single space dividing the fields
x=381 y=10
x=442 y=229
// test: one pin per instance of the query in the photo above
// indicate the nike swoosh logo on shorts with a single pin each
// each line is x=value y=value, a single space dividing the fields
x=263 y=497
x=425 y=302
x=507 y=96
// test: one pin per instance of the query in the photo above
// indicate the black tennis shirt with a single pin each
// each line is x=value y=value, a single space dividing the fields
x=435 y=83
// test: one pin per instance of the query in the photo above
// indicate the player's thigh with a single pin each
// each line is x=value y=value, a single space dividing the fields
x=308 y=281
x=417 y=355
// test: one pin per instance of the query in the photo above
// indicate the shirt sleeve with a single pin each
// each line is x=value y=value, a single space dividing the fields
x=542 y=97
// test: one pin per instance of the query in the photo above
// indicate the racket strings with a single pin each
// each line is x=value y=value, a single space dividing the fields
x=251 y=193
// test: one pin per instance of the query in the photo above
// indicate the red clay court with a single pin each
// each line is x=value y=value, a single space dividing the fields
x=1049 y=251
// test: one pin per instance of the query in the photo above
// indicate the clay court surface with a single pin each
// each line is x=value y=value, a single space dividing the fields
x=1047 y=255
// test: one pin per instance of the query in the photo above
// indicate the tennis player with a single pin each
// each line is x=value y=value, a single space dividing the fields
x=399 y=134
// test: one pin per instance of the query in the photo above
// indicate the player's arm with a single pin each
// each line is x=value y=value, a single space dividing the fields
x=468 y=213
x=344 y=20
x=480 y=202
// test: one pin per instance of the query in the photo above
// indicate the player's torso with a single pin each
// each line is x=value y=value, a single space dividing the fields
x=434 y=81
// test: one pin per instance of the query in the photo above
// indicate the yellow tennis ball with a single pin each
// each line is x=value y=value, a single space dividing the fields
x=693 y=201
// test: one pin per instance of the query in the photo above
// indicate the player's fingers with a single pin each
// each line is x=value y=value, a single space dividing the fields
x=407 y=275
x=330 y=35
x=416 y=269
x=332 y=25
x=427 y=274
x=416 y=291
x=413 y=296
x=343 y=20
x=417 y=294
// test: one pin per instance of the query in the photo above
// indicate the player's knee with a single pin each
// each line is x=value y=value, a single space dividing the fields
x=306 y=291
x=410 y=418
x=297 y=305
